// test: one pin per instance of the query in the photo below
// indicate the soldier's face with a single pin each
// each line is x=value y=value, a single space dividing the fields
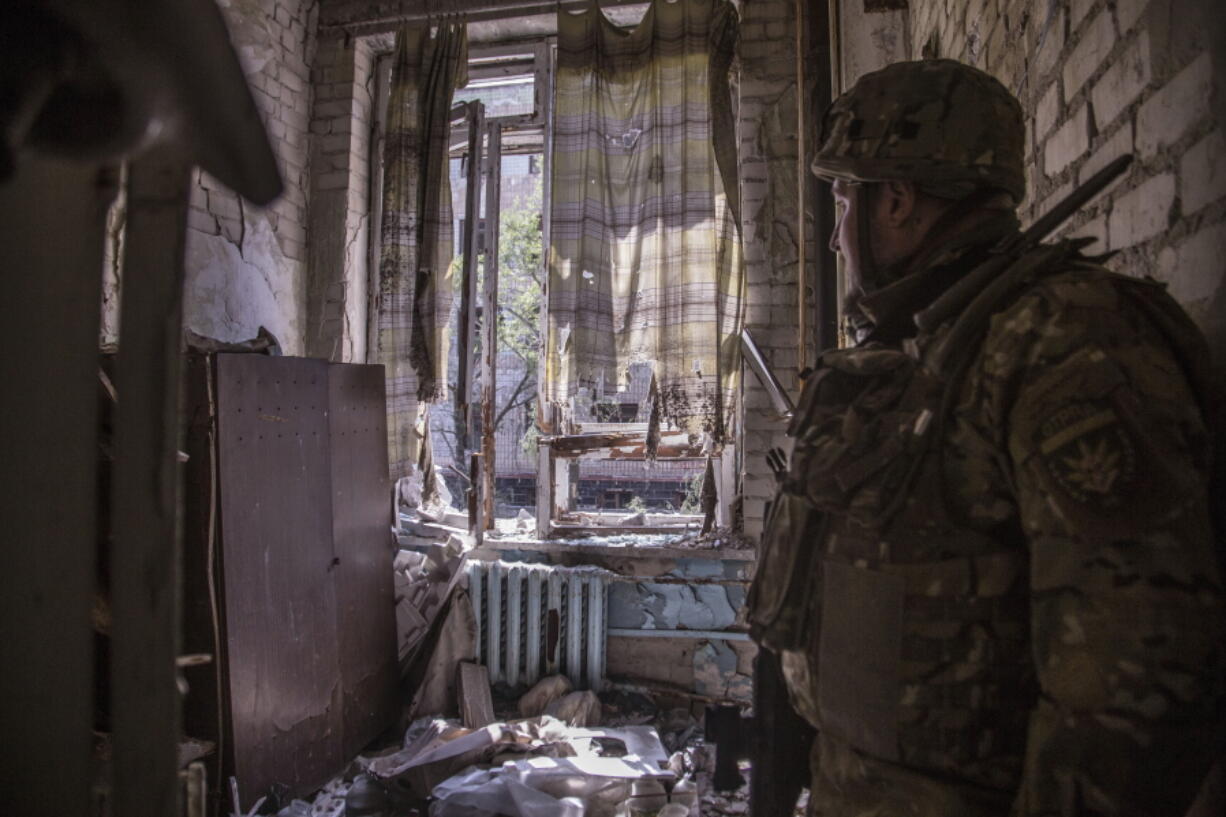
x=845 y=239
x=895 y=222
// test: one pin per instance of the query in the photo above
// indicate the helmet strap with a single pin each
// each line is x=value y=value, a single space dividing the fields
x=870 y=274
x=941 y=231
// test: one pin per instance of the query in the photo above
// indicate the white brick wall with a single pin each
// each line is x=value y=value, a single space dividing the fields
x=1068 y=143
x=1202 y=250
x=336 y=294
x=1088 y=53
x=1048 y=111
x=1143 y=212
x=1202 y=172
x=767 y=157
x=1176 y=107
x=1124 y=80
x=246 y=265
x=1106 y=151
x=1125 y=76
x=1127 y=12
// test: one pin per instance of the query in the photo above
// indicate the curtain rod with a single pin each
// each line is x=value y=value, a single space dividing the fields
x=479 y=11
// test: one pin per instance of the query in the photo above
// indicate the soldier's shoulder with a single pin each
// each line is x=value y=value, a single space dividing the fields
x=1069 y=294
x=1075 y=281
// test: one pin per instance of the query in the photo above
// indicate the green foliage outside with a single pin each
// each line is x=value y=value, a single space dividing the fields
x=520 y=290
x=693 y=493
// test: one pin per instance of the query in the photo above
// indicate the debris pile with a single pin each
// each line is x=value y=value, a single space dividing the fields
x=423 y=583
x=553 y=761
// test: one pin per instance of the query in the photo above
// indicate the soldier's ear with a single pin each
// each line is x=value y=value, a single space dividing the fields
x=896 y=201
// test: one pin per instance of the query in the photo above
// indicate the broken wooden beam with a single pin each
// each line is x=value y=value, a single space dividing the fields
x=630 y=445
x=473 y=693
x=489 y=327
x=569 y=531
x=146 y=497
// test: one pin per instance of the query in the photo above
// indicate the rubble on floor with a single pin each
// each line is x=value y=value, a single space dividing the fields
x=645 y=755
x=423 y=583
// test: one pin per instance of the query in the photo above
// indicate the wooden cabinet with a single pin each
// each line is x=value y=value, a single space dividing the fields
x=288 y=559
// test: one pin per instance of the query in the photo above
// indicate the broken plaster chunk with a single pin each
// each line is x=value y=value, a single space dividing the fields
x=580 y=709
x=535 y=701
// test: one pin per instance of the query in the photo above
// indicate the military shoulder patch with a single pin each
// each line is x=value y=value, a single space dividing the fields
x=1088 y=454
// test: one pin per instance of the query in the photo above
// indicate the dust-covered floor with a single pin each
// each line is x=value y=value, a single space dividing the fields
x=679 y=728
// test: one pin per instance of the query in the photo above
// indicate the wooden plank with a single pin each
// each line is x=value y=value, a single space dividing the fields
x=202 y=706
x=51 y=248
x=378 y=138
x=544 y=487
x=597 y=552
x=473 y=692
x=361 y=523
x=145 y=557
x=489 y=326
x=475 y=525
x=560 y=530
x=611 y=428
x=630 y=445
x=465 y=333
x=725 y=480
x=614 y=519
x=545 y=417
x=564 y=477
x=278 y=564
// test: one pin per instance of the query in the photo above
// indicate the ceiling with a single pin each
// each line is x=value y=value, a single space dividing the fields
x=489 y=21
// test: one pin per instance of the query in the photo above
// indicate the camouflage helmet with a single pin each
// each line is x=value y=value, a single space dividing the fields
x=940 y=123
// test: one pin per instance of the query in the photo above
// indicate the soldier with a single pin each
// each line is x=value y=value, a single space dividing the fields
x=990 y=572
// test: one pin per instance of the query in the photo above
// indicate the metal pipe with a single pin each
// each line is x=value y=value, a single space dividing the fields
x=753 y=356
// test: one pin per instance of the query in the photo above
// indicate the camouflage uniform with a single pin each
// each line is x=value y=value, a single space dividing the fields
x=990 y=571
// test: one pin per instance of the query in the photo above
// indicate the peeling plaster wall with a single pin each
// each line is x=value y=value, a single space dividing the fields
x=246 y=265
x=1099 y=78
x=869 y=41
x=112 y=256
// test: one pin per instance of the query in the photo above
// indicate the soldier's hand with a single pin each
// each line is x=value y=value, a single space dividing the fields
x=777 y=460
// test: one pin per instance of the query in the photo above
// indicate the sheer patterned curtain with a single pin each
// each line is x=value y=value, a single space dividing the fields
x=415 y=286
x=644 y=260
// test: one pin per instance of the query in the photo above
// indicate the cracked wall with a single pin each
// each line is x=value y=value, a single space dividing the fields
x=246 y=265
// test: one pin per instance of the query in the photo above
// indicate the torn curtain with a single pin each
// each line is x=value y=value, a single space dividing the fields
x=415 y=286
x=644 y=261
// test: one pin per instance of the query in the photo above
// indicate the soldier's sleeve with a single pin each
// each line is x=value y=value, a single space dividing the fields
x=1110 y=458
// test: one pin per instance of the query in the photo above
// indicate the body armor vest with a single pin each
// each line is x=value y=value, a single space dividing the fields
x=903 y=621
x=914 y=632
x=903 y=626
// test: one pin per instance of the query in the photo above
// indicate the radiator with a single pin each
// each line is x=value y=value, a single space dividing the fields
x=538 y=620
